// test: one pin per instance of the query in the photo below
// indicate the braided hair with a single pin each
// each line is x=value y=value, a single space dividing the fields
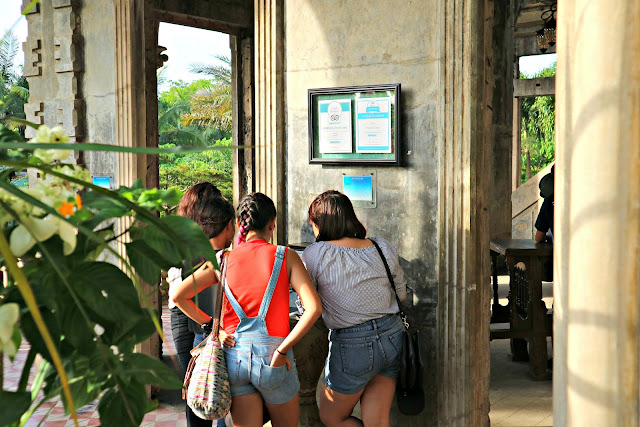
x=254 y=213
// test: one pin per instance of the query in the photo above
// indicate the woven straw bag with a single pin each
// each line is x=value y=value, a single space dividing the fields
x=206 y=382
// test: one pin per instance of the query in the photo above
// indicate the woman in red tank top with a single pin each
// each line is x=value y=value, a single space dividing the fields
x=255 y=317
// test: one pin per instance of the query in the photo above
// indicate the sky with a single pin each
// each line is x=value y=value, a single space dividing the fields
x=187 y=45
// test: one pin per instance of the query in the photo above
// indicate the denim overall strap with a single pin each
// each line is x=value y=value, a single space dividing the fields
x=275 y=273
x=234 y=303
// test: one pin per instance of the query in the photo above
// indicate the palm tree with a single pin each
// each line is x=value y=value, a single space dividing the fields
x=211 y=106
x=14 y=88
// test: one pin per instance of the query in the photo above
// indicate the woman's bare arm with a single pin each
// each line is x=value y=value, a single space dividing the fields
x=302 y=284
x=181 y=295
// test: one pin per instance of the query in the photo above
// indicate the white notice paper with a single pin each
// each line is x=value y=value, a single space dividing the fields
x=334 y=127
x=373 y=125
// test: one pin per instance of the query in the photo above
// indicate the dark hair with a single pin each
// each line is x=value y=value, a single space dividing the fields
x=333 y=213
x=254 y=213
x=203 y=203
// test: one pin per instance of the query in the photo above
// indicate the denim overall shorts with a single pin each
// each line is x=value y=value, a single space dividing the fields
x=248 y=361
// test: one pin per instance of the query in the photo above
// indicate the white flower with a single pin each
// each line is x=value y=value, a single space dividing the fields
x=68 y=234
x=58 y=135
x=25 y=235
x=115 y=349
x=98 y=329
x=33 y=230
x=55 y=135
x=43 y=134
x=8 y=317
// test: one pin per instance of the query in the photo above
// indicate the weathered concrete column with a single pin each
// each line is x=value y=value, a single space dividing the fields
x=502 y=119
x=464 y=284
x=135 y=69
x=597 y=254
x=268 y=168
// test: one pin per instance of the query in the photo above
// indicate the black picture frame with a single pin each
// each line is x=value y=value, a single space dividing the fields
x=354 y=93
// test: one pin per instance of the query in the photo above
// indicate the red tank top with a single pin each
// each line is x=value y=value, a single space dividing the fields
x=248 y=271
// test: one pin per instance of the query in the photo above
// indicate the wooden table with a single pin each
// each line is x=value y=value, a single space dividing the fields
x=526 y=312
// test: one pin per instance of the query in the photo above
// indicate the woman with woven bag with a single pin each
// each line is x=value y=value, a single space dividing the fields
x=360 y=308
x=255 y=317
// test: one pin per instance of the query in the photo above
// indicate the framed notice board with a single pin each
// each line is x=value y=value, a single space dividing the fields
x=355 y=125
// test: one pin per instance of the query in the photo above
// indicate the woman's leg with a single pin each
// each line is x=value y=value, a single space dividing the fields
x=182 y=337
x=336 y=408
x=376 y=400
x=285 y=414
x=246 y=410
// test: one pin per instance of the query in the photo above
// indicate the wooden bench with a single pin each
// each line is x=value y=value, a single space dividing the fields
x=526 y=313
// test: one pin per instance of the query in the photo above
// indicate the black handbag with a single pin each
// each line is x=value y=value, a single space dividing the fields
x=409 y=391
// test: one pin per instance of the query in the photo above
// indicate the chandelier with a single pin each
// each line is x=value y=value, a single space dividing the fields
x=546 y=36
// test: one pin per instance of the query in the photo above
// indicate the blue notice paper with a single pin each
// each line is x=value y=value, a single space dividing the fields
x=358 y=188
x=102 y=181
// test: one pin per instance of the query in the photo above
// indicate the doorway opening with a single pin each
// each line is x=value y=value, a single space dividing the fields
x=195 y=107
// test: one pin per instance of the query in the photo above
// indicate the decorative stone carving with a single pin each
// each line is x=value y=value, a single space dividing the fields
x=162 y=57
x=34 y=112
x=34 y=9
x=64 y=3
x=67 y=53
x=67 y=113
x=32 y=57
x=65 y=21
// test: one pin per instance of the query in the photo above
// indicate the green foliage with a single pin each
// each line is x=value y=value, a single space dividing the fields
x=14 y=88
x=184 y=170
x=198 y=114
x=94 y=311
x=538 y=128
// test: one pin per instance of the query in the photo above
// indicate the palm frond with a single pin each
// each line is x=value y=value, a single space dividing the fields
x=22 y=92
x=9 y=46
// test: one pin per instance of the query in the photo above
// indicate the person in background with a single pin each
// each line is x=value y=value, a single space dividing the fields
x=544 y=222
x=256 y=335
x=203 y=203
x=360 y=310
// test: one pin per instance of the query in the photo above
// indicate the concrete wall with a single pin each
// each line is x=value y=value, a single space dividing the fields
x=337 y=43
x=99 y=87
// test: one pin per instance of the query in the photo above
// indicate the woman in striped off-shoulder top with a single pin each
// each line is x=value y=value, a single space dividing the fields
x=360 y=309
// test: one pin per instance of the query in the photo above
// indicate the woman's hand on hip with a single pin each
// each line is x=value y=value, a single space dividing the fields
x=279 y=360
x=225 y=339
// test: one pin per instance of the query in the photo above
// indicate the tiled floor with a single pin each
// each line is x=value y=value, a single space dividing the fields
x=51 y=414
x=516 y=399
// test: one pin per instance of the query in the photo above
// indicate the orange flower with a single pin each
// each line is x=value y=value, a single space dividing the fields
x=78 y=201
x=66 y=209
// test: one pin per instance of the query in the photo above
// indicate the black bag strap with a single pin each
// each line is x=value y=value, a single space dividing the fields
x=393 y=284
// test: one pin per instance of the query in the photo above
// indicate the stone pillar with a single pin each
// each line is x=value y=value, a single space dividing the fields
x=268 y=167
x=135 y=67
x=597 y=215
x=502 y=123
x=464 y=282
x=54 y=68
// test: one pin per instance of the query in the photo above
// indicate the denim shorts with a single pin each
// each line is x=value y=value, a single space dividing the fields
x=249 y=371
x=360 y=352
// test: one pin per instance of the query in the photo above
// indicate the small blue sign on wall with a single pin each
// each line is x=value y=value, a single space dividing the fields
x=102 y=181
x=360 y=189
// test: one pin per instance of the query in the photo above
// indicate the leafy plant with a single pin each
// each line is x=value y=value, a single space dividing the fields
x=83 y=315
x=14 y=88
x=538 y=128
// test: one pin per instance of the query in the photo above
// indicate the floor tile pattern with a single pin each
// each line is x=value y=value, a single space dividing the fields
x=51 y=414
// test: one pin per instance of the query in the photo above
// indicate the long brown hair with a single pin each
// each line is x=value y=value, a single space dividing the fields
x=203 y=203
x=333 y=214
